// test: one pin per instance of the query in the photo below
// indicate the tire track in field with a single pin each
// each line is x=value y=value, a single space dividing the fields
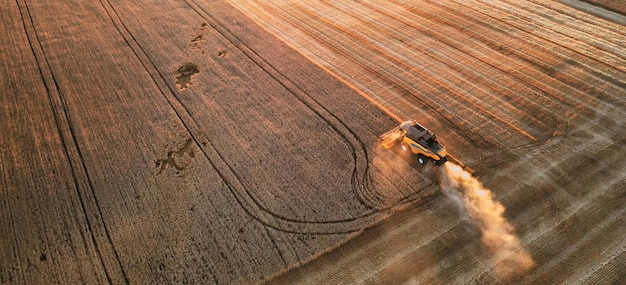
x=248 y=202
x=82 y=183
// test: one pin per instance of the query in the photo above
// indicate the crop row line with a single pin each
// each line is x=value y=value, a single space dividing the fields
x=608 y=46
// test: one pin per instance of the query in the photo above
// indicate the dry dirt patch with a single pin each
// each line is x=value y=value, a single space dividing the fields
x=184 y=74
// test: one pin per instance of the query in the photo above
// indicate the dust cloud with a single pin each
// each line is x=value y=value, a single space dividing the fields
x=498 y=236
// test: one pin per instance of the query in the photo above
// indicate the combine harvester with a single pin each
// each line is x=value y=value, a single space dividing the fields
x=414 y=137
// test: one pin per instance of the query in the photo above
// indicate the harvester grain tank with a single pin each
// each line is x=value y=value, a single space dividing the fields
x=418 y=140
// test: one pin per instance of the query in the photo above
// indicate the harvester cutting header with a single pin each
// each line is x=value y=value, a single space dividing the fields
x=414 y=137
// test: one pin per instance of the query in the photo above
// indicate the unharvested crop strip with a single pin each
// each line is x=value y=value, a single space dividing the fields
x=280 y=252
x=70 y=143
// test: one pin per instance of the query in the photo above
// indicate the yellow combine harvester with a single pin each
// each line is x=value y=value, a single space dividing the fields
x=414 y=137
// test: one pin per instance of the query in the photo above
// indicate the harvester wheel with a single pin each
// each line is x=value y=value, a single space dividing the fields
x=421 y=159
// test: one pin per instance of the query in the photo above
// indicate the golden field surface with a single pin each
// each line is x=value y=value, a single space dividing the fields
x=235 y=142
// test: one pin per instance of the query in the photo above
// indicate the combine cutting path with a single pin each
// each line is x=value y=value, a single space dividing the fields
x=531 y=94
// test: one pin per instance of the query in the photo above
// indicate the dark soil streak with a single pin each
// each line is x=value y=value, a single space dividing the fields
x=280 y=252
x=170 y=160
x=184 y=75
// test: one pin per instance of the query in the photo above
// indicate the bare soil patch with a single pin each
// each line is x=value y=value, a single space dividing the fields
x=185 y=73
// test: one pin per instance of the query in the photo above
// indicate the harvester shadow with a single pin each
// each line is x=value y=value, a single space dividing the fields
x=428 y=170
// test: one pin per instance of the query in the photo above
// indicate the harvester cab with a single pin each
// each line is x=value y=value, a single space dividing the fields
x=415 y=138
